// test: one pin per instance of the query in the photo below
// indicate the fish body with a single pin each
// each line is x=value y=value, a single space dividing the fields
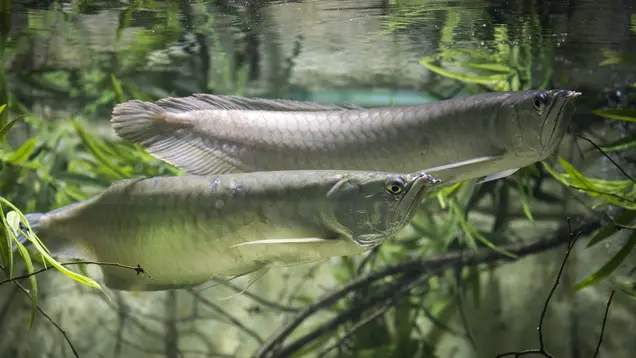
x=185 y=230
x=482 y=136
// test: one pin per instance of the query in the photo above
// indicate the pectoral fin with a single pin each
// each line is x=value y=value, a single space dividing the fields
x=499 y=175
x=253 y=277
x=462 y=170
x=305 y=240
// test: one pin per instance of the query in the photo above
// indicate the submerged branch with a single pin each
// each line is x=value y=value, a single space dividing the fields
x=541 y=350
x=138 y=269
x=608 y=157
x=600 y=338
x=62 y=331
x=416 y=267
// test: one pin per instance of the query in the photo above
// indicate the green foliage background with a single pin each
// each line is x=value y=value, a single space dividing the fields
x=54 y=162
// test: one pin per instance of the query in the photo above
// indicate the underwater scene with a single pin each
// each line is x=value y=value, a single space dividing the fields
x=317 y=178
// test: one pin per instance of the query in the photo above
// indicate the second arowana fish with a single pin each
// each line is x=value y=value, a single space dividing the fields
x=486 y=136
x=185 y=230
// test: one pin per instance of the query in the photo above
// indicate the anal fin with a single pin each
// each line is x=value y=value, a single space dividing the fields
x=499 y=175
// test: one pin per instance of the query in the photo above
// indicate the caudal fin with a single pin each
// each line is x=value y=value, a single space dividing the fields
x=33 y=219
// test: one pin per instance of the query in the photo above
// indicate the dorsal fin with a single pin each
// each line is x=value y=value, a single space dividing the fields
x=202 y=101
x=186 y=145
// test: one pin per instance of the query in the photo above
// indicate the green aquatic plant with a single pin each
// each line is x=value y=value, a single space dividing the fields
x=618 y=193
x=11 y=225
x=501 y=64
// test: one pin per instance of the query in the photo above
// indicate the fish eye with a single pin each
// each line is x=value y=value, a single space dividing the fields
x=540 y=101
x=395 y=185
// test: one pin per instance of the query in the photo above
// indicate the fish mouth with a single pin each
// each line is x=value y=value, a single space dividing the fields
x=559 y=121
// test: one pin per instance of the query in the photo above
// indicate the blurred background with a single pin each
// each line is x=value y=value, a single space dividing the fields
x=66 y=64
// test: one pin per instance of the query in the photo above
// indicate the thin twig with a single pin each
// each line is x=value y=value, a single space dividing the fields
x=388 y=293
x=619 y=197
x=354 y=329
x=428 y=314
x=608 y=157
x=431 y=265
x=26 y=292
x=62 y=331
x=138 y=269
x=368 y=259
x=619 y=226
x=600 y=338
x=572 y=238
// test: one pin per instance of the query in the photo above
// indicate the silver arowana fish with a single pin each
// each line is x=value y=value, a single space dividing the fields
x=486 y=136
x=185 y=230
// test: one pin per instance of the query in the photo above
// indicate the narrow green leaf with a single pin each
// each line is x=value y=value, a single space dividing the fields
x=523 y=196
x=33 y=292
x=492 y=80
x=488 y=243
x=577 y=178
x=13 y=223
x=117 y=88
x=93 y=148
x=6 y=128
x=22 y=154
x=610 y=229
x=610 y=266
x=620 y=114
x=620 y=144
x=2 y=107
x=10 y=237
x=494 y=67
x=563 y=178
x=77 y=277
x=39 y=246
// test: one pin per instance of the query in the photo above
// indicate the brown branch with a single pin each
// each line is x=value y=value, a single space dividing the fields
x=431 y=265
x=138 y=269
x=619 y=197
x=600 y=338
x=63 y=332
x=541 y=350
x=389 y=293
x=354 y=329
x=608 y=157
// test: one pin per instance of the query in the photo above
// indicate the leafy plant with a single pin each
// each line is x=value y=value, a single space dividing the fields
x=12 y=230
x=620 y=193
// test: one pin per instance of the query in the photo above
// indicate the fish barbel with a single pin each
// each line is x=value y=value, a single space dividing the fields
x=486 y=136
x=185 y=230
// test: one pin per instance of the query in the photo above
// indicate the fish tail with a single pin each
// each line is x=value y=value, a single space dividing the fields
x=158 y=128
x=34 y=220
x=138 y=121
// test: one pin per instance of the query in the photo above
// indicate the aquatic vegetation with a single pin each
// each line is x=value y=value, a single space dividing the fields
x=501 y=64
x=399 y=298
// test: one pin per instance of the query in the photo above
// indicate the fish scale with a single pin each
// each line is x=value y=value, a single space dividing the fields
x=185 y=230
x=479 y=136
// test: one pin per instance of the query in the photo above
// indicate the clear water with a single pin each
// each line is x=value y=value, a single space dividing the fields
x=77 y=59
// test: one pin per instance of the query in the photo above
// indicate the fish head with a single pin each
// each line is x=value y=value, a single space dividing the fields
x=536 y=121
x=378 y=205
